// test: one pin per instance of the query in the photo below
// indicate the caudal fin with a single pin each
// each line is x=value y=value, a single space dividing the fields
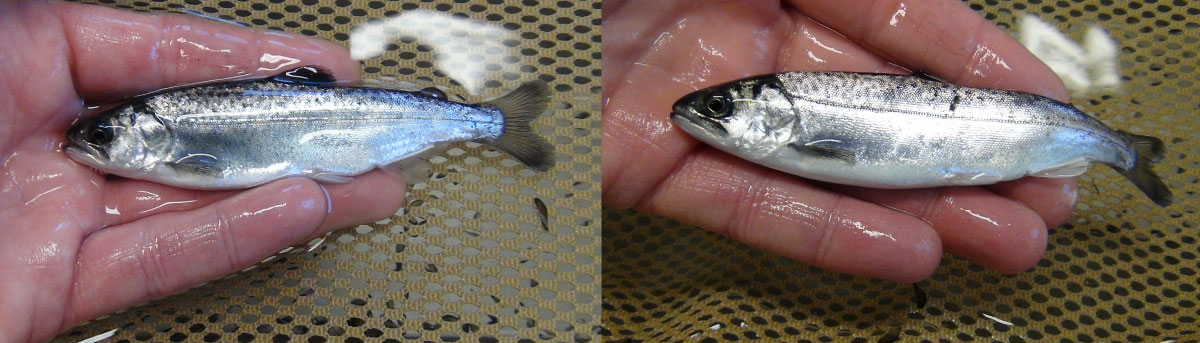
x=520 y=107
x=1149 y=149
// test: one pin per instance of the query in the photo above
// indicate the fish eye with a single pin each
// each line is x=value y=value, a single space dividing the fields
x=100 y=133
x=715 y=105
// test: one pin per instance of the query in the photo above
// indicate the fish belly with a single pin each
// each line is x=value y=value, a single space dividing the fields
x=897 y=149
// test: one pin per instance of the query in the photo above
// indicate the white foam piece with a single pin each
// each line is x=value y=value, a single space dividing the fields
x=1102 y=52
x=1083 y=69
x=1065 y=57
x=370 y=40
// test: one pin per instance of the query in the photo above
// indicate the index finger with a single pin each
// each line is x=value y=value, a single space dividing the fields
x=940 y=37
x=118 y=53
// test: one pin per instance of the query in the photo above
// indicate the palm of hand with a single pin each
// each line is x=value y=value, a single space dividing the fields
x=74 y=244
x=657 y=51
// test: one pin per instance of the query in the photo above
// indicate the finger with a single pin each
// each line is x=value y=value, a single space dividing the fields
x=640 y=145
x=629 y=33
x=164 y=254
x=813 y=46
x=991 y=230
x=371 y=195
x=127 y=200
x=1053 y=199
x=782 y=214
x=940 y=37
x=119 y=53
x=611 y=7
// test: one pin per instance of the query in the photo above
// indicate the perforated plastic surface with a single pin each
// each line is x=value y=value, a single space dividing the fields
x=469 y=259
x=1122 y=269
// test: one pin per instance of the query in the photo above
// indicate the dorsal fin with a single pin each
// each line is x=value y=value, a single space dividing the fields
x=433 y=92
x=307 y=75
x=924 y=75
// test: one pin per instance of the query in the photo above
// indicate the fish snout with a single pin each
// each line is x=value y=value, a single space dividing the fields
x=683 y=105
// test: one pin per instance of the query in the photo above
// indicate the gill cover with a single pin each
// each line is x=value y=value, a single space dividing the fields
x=126 y=140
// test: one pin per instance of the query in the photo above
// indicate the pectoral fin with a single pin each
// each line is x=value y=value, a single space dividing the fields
x=825 y=149
x=198 y=164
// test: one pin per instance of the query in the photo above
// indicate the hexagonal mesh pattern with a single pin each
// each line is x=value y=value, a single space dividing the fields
x=1122 y=270
x=469 y=259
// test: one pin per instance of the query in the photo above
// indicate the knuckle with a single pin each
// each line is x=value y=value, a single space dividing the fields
x=226 y=237
x=823 y=234
x=740 y=226
x=149 y=263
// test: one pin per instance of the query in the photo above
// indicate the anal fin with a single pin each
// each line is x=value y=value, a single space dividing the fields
x=328 y=176
x=413 y=167
x=413 y=170
x=331 y=178
x=1071 y=168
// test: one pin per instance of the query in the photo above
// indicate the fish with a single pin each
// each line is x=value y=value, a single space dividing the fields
x=244 y=133
x=909 y=131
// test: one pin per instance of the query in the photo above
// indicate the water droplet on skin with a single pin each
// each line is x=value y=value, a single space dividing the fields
x=898 y=15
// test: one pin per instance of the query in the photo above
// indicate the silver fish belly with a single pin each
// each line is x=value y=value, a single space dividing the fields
x=891 y=131
x=242 y=134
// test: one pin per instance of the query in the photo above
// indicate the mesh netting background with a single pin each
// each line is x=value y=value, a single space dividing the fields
x=1121 y=270
x=469 y=258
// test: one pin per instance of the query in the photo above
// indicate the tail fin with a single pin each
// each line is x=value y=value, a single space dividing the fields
x=520 y=107
x=1149 y=149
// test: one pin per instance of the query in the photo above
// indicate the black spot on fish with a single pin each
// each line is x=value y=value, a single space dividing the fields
x=758 y=90
x=954 y=103
x=756 y=85
x=774 y=81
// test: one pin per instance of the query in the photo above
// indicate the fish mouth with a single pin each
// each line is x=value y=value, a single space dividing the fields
x=87 y=156
x=684 y=118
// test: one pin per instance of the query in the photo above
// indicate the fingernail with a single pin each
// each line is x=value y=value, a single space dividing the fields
x=1071 y=192
x=328 y=200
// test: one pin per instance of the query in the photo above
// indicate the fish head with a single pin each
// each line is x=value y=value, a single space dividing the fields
x=128 y=140
x=747 y=117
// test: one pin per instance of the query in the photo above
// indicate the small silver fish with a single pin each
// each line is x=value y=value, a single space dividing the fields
x=898 y=131
x=241 y=134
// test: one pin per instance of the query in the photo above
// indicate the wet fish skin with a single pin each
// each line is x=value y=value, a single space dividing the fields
x=241 y=134
x=901 y=131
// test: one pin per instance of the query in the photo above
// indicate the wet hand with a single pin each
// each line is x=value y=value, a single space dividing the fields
x=75 y=245
x=658 y=51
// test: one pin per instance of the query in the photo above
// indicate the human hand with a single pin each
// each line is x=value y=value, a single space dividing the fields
x=657 y=51
x=75 y=245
